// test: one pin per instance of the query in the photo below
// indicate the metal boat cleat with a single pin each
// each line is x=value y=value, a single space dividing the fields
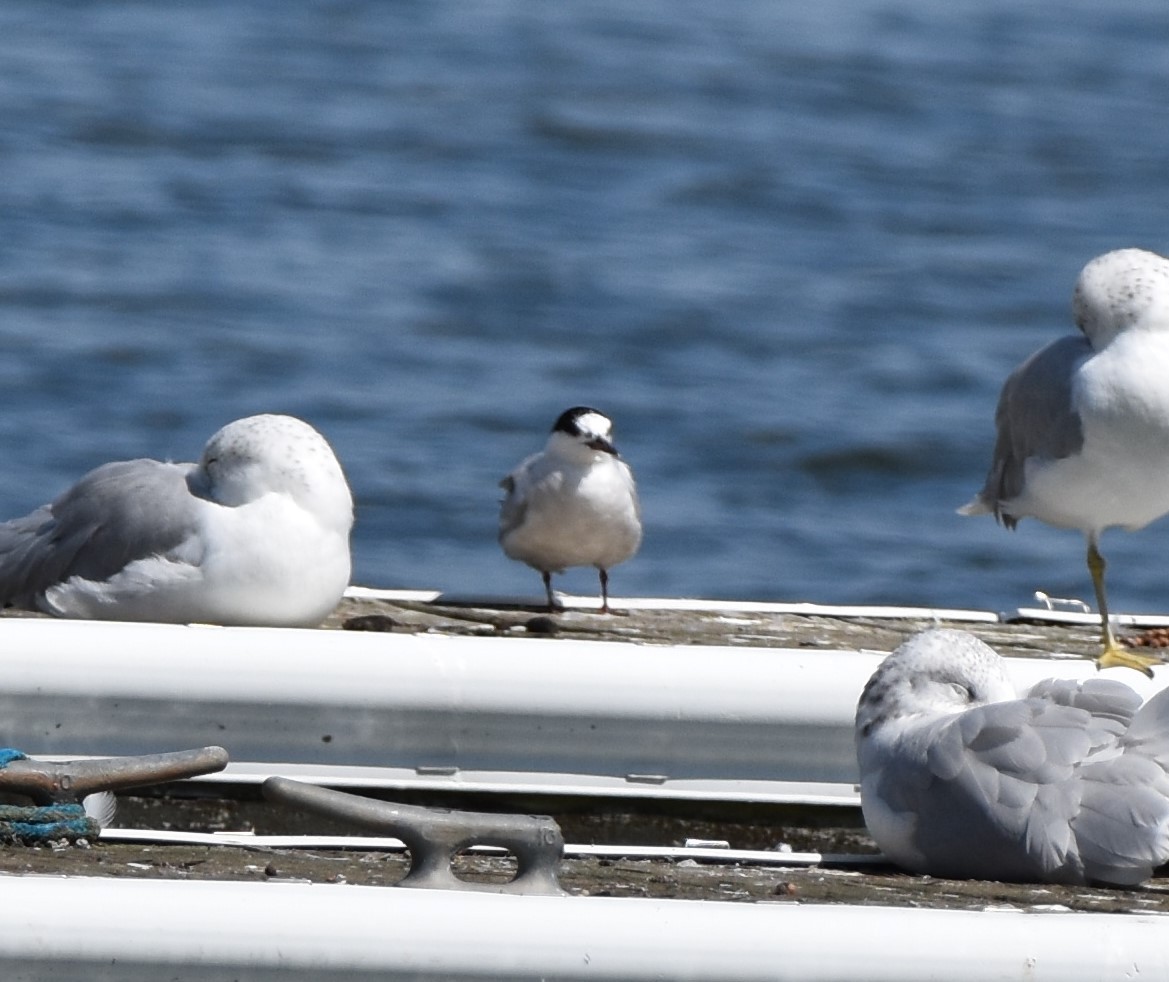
x=48 y=783
x=435 y=836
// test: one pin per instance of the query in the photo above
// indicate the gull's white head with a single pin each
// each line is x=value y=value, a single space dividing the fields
x=271 y=454
x=1120 y=290
x=936 y=671
x=582 y=431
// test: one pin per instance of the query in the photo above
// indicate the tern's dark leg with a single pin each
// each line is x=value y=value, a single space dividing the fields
x=604 y=591
x=548 y=590
x=1113 y=656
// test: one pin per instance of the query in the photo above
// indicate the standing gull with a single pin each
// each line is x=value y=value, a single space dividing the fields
x=961 y=778
x=255 y=533
x=1083 y=424
x=572 y=504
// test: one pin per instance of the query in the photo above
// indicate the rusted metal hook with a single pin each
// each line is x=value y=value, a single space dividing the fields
x=435 y=836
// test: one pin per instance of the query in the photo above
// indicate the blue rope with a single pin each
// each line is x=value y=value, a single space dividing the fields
x=42 y=823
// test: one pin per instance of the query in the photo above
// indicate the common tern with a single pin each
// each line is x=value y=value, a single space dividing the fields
x=572 y=504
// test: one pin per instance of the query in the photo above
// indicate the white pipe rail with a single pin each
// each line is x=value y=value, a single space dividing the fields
x=442 y=706
x=438 y=704
x=105 y=928
x=704 y=851
x=591 y=603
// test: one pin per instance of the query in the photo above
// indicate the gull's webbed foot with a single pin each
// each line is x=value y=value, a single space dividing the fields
x=1117 y=656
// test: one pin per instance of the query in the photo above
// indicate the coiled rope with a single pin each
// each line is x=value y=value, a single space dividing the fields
x=42 y=823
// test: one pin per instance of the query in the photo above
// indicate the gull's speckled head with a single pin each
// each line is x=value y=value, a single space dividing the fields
x=935 y=671
x=1120 y=290
x=265 y=454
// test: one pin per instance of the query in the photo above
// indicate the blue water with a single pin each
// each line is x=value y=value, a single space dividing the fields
x=792 y=249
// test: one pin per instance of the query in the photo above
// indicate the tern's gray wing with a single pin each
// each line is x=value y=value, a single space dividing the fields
x=994 y=789
x=115 y=514
x=511 y=508
x=1035 y=418
x=516 y=486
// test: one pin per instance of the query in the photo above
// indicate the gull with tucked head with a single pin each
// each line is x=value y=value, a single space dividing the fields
x=572 y=504
x=255 y=533
x=1083 y=424
x=962 y=778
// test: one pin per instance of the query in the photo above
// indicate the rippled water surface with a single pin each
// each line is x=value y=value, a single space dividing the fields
x=792 y=249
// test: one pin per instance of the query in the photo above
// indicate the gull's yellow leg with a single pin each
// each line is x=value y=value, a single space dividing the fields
x=1113 y=656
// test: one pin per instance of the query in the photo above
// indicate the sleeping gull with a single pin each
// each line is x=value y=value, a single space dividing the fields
x=961 y=778
x=572 y=504
x=255 y=533
x=1083 y=424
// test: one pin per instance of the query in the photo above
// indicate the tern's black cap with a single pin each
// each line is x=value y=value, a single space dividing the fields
x=567 y=421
